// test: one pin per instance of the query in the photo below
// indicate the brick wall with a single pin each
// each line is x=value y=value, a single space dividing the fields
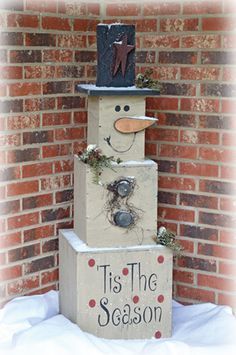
x=49 y=46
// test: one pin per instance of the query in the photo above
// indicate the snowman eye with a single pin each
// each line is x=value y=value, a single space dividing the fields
x=126 y=108
x=117 y=108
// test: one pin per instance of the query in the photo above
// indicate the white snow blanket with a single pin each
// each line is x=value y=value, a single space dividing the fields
x=32 y=325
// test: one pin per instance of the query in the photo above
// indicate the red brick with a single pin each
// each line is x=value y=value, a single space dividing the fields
x=64 y=166
x=72 y=8
x=38 y=137
x=10 y=273
x=227 y=299
x=176 y=214
x=178 y=151
x=229 y=139
x=41 y=6
x=2 y=259
x=201 y=41
x=218 y=24
x=150 y=149
x=24 y=220
x=37 y=201
x=205 y=73
x=178 y=24
x=40 y=39
x=56 y=23
x=123 y=10
x=218 y=283
x=40 y=104
x=164 y=73
x=22 y=20
x=10 y=72
x=218 y=251
x=228 y=106
x=162 y=103
x=217 y=219
x=228 y=172
x=36 y=169
x=55 y=119
x=49 y=276
x=228 y=204
x=57 y=87
x=200 y=105
x=23 y=252
x=17 y=156
x=23 y=89
x=22 y=188
x=9 y=207
x=3 y=89
x=85 y=25
x=151 y=41
x=80 y=117
x=183 y=276
x=195 y=294
x=176 y=183
x=11 y=140
x=198 y=201
x=162 y=134
x=228 y=237
x=93 y=9
x=55 y=214
x=202 y=7
x=57 y=55
x=39 y=233
x=229 y=74
x=197 y=137
x=56 y=150
x=2 y=225
x=187 y=245
x=227 y=268
x=21 y=286
x=170 y=8
x=215 y=154
x=50 y=245
x=198 y=169
x=10 y=240
x=69 y=133
x=72 y=41
x=55 y=182
x=23 y=122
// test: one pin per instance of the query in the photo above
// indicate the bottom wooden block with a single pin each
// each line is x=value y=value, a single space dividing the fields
x=116 y=293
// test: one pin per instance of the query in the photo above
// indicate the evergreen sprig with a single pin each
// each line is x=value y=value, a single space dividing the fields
x=168 y=239
x=145 y=81
x=93 y=156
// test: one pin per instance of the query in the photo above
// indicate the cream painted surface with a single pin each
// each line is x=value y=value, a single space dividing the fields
x=101 y=119
x=91 y=212
x=120 y=293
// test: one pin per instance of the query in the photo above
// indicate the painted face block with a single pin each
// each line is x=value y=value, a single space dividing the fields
x=105 y=116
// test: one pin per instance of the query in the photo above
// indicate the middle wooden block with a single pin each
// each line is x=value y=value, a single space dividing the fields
x=122 y=209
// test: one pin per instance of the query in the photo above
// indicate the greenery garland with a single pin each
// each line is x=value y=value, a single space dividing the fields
x=93 y=156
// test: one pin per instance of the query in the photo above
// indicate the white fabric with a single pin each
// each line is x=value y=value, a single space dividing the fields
x=32 y=326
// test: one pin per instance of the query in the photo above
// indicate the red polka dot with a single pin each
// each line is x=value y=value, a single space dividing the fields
x=160 y=259
x=158 y=335
x=125 y=271
x=92 y=303
x=91 y=262
x=160 y=298
x=136 y=299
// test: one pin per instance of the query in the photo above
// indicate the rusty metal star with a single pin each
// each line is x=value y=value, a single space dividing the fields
x=122 y=51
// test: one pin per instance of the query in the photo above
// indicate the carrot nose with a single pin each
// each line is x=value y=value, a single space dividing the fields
x=133 y=124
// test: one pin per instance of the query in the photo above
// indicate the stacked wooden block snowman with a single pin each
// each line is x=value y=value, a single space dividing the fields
x=115 y=281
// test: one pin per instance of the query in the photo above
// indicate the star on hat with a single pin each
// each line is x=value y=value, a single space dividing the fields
x=122 y=51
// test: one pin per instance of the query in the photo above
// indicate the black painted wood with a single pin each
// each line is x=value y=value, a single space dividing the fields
x=107 y=38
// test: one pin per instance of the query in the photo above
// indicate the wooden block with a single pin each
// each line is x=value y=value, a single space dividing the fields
x=96 y=206
x=103 y=112
x=116 y=55
x=116 y=293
